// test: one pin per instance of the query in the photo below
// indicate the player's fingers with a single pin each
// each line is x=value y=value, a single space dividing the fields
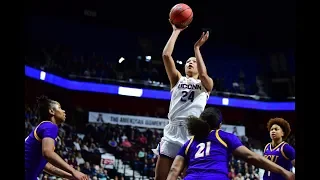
x=206 y=35
x=170 y=22
x=201 y=38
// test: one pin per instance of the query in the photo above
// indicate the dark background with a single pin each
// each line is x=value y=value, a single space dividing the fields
x=254 y=24
x=245 y=36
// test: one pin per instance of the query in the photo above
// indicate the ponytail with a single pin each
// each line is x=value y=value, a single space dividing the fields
x=197 y=127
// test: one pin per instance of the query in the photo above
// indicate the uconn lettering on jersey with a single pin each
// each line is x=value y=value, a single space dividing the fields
x=189 y=86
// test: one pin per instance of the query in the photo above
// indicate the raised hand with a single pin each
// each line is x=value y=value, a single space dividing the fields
x=204 y=37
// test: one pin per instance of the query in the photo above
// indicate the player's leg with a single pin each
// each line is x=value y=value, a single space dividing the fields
x=163 y=167
x=166 y=152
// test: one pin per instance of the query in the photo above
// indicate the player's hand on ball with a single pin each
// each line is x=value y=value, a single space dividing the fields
x=204 y=37
x=175 y=28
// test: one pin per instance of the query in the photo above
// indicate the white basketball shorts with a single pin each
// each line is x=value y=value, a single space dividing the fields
x=175 y=134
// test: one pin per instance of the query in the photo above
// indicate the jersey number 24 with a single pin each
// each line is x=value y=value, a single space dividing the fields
x=187 y=96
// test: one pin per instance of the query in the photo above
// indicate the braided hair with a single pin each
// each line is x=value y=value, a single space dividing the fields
x=44 y=104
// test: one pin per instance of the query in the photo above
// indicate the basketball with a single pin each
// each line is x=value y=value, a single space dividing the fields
x=181 y=15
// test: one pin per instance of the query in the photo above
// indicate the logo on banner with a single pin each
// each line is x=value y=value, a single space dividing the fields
x=149 y=122
x=127 y=120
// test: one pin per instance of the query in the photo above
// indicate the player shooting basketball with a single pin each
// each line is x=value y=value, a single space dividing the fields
x=189 y=95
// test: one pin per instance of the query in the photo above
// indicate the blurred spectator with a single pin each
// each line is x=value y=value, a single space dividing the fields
x=77 y=145
x=142 y=139
x=124 y=137
x=112 y=143
x=142 y=154
x=87 y=168
x=126 y=143
x=232 y=173
x=79 y=159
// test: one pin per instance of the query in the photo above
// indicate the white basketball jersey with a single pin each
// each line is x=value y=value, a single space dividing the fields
x=188 y=97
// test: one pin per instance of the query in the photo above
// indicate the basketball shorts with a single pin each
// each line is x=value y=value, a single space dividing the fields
x=175 y=134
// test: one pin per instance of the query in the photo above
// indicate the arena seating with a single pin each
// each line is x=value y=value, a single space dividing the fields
x=74 y=56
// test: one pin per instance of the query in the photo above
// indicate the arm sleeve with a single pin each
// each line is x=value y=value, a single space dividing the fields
x=47 y=129
x=232 y=141
x=289 y=152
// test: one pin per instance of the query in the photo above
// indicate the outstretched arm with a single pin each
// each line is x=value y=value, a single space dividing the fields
x=172 y=72
x=206 y=81
x=261 y=162
x=57 y=161
x=176 y=168
x=50 y=169
x=53 y=157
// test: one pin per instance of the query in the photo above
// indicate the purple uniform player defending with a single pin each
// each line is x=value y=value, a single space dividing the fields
x=207 y=153
x=39 y=146
x=279 y=151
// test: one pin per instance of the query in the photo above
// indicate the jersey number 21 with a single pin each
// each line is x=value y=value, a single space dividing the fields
x=187 y=96
x=203 y=150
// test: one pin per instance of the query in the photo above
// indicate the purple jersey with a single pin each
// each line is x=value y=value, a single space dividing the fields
x=34 y=162
x=209 y=158
x=282 y=155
